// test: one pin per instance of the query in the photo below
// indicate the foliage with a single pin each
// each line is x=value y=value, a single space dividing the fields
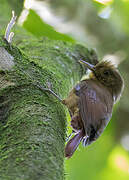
x=39 y=28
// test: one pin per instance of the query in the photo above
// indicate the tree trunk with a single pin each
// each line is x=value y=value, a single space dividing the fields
x=33 y=123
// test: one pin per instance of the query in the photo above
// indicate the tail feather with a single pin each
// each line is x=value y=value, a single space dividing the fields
x=73 y=143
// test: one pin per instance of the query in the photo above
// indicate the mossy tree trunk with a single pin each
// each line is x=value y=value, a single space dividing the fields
x=33 y=123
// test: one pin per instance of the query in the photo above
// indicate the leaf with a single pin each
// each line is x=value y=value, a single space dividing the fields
x=39 y=28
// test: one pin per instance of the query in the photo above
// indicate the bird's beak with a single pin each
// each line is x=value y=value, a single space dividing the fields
x=88 y=65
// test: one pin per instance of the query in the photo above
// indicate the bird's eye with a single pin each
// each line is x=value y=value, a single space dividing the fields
x=107 y=73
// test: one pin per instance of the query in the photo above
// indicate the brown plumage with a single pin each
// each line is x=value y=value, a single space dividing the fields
x=90 y=104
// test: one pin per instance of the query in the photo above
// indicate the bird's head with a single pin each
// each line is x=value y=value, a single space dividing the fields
x=108 y=75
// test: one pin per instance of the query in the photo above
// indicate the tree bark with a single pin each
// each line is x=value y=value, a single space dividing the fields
x=33 y=123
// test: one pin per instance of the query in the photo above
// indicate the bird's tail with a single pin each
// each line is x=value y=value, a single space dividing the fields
x=73 y=143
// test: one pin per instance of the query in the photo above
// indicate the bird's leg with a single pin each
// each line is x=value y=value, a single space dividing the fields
x=8 y=34
x=85 y=140
x=71 y=134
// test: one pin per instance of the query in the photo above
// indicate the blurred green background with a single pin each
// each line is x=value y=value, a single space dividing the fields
x=104 y=26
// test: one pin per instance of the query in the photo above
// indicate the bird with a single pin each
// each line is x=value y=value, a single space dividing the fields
x=91 y=102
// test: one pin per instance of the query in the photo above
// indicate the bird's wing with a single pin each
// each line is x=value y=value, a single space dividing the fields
x=95 y=106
